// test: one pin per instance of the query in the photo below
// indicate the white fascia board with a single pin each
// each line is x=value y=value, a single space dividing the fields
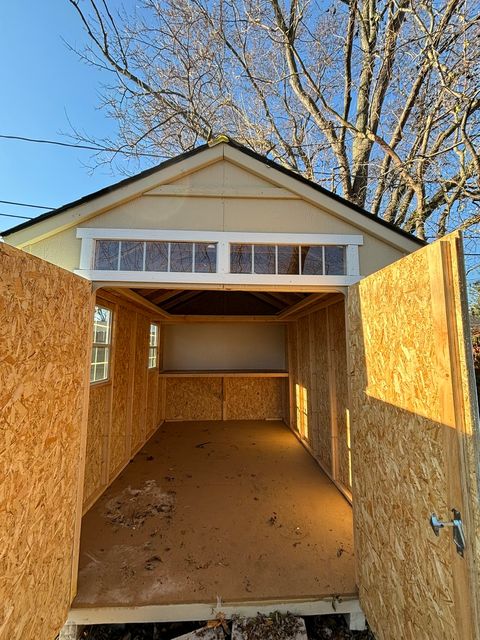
x=219 y=236
x=163 y=278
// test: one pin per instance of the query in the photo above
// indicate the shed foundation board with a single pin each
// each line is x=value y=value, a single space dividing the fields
x=216 y=512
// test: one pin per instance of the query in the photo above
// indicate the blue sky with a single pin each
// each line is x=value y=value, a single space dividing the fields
x=44 y=85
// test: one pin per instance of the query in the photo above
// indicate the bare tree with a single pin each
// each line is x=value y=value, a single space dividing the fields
x=378 y=100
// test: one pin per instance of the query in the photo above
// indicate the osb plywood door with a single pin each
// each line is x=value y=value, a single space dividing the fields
x=45 y=337
x=412 y=441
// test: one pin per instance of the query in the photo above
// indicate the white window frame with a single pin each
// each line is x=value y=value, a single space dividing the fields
x=153 y=346
x=222 y=239
x=103 y=345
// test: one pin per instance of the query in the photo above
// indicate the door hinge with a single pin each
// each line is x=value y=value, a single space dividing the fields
x=457 y=529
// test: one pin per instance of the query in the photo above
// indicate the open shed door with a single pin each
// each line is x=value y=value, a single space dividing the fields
x=414 y=438
x=45 y=343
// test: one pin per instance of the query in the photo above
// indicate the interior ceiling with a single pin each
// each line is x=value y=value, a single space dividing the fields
x=238 y=303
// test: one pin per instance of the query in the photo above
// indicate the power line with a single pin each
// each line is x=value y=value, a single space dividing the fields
x=10 y=215
x=79 y=146
x=24 y=204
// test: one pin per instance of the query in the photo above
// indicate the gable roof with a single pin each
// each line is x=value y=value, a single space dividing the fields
x=194 y=152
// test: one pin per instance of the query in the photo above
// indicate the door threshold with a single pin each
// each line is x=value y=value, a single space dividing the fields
x=207 y=611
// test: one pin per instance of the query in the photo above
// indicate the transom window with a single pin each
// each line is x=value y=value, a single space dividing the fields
x=288 y=259
x=153 y=347
x=102 y=340
x=218 y=257
x=170 y=257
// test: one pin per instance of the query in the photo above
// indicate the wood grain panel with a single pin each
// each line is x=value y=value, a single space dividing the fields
x=253 y=398
x=292 y=373
x=119 y=422
x=45 y=337
x=140 y=381
x=304 y=383
x=405 y=436
x=97 y=441
x=152 y=401
x=193 y=399
x=123 y=371
x=338 y=351
x=468 y=414
x=162 y=398
x=322 y=434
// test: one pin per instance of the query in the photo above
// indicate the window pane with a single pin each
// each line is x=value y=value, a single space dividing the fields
x=205 y=257
x=152 y=348
x=99 y=367
x=106 y=255
x=153 y=335
x=131 y=256
x=99 y=372
x=264 y=258
x=241 y=258
x=156 y=258
x=152 y=357
x=312 y=260
x=101 y=325
x=102 y=329
x=335 y=261
x=181 y=256
x=288 y=259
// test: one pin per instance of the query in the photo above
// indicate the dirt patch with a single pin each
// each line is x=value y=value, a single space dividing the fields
x=331 y=627
x=119 y=568
x=132 y=507
x=276 y=626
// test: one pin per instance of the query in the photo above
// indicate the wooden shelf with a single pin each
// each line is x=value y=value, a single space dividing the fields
x=247 y=373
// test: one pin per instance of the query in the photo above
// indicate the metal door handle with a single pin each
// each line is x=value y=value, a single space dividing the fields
x=457 y=527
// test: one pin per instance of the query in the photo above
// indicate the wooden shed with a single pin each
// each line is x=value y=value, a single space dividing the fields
x=227 y=390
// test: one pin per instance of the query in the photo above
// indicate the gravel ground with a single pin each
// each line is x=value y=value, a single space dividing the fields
x=318 y=628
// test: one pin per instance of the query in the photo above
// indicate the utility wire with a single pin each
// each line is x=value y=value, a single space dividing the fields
x=24 y=204
x=10 y=215
x=80 y=146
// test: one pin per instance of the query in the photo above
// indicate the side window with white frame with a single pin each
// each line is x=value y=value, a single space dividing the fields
x=153 y=347
x=102 y=342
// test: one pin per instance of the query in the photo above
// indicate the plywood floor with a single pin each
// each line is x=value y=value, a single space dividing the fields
x=237 y=510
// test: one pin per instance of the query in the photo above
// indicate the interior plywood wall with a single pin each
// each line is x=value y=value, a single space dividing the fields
x=317 y=360
x=43 y=357
x=125 y=410
x=225 y=398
